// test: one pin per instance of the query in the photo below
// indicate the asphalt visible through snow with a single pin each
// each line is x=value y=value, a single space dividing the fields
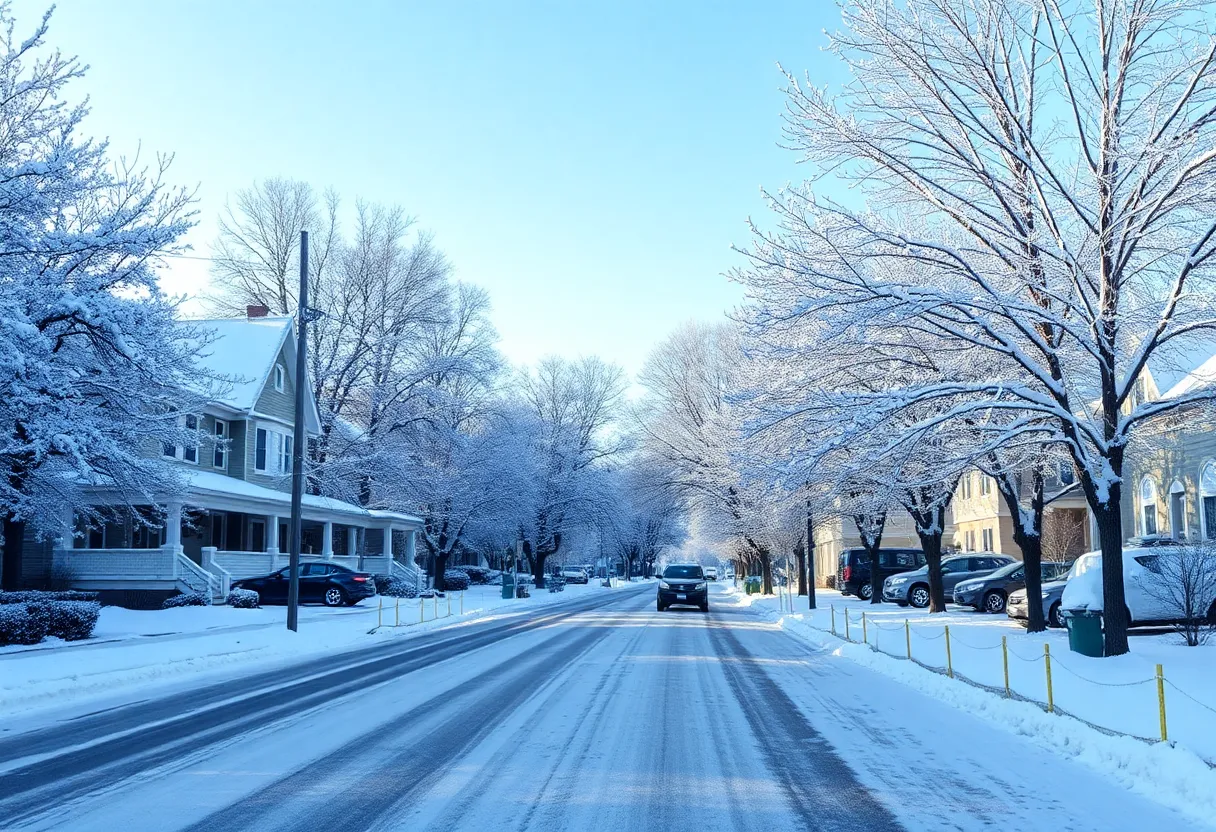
x=600 y=714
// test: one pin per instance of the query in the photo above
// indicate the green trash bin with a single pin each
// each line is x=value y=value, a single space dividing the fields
x=508 y=585
x=752 y=584
x=1085 y=633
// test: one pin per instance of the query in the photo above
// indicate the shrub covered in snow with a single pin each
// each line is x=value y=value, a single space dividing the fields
x=68 y=620
x=30 y=596
x=187 y=599
x=394 y=587
x=244 y=599
x=18 y=625
x=455 y=580
x=477 y=574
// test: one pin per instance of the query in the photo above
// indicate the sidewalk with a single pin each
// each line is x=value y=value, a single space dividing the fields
x=158 y=647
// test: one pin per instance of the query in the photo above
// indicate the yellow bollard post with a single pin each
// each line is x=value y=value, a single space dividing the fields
x=462 y=602
x=949 y=659
x=1005 y=659
x=865 y=635
x=1165 y=736
x=1051 y=702
x=435 y=610
x=380 y=611
x=397 y=612
x=449 y=597
x=421 y=609
x=908 y=636
x=846 y=624
x=833 y=619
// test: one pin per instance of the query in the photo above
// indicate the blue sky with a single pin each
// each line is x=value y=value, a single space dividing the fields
x=589 y=163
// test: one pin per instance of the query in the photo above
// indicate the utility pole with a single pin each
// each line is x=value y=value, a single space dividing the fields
x=810 y=555
x=298 y=440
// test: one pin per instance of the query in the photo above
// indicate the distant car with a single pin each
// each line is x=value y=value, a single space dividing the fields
x=711 y=573
x=913 y=587
x=683 y=584
x=991 y=593
x=853 y=571
x=1142 y=566
x=1019 y=607
x=329 y=583
x=574 y=575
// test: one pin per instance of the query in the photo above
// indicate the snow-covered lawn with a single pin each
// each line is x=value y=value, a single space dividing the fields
x=1119 y=694
x=158 y=647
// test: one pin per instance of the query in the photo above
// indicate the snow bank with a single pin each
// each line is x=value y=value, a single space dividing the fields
x=1172 y=774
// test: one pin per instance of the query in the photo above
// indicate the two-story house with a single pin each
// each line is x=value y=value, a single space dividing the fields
x=232 y=519
x=982 y=522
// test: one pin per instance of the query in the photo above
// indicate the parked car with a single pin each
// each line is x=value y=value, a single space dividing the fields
x=1019 y=607
x=853 y=570
x=1142 y=567
x=329 y=583
x=683 y=584
x=991 y=593
x=711 y=573
x=573 y=575
x=913 y=587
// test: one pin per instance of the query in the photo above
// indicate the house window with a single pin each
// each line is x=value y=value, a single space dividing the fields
x=279 y=377
x=987 y=533
x=190 y=449
x=219 y=454
x=285 y=447
x=967 y=486
x=1207 y=499
x=169 y=450
x=969 y=542
x=985 y=485
x=1067 y=475
x=1148 y=506
x=259 y=453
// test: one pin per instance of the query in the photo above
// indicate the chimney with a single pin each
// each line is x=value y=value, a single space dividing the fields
x=257 y=311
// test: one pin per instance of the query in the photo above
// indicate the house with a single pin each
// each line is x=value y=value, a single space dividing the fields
x=231 y=520
x=834 y=536
x=982 y=522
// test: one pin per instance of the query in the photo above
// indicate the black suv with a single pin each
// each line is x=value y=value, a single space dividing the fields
x=853 y=572
x=683 y=583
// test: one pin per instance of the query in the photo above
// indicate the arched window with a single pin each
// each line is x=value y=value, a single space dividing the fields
x=1207 y=499
x=1148 y=506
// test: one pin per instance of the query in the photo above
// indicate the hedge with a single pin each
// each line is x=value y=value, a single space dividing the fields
x=244 y=599
x=455 y=580
x=34 y=596
x=394 y=587
x=18 y=625
x=187 y=599
x=477 y=574
x=31 y=622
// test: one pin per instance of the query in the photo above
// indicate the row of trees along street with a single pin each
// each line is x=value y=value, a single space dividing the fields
x=1012 y=214
x=420 y=412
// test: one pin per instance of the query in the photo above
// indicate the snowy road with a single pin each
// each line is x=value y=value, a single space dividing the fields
x=601 y=714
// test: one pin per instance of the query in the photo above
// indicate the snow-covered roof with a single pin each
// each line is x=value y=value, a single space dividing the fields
x=242 y=350
x=1172 y=366
x=203 y=484
x=1201 y=376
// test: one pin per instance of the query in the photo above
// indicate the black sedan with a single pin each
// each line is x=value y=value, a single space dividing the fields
x=683 y=584
x=991 y=593
x=329 y=583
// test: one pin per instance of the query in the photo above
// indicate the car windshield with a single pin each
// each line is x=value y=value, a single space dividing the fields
x=683 y=572
x=1007 y=570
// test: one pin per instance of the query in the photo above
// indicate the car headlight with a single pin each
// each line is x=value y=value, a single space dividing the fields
x=699 y=586
x=1046 y=595
x=664 y=585
x=966 y=586
x=898 y=581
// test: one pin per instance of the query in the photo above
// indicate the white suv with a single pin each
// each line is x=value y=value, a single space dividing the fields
x=711 y=573
x=1147 y=583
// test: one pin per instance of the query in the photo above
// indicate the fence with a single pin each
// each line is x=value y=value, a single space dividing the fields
x=435 y=605
x=1028 y=678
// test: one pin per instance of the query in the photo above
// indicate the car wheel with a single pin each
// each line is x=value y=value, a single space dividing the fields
x=705 y=608
x=918 y=596
x=1053 y=616
x=334 y=597
x=994 y=602
x=865 y=592
x=660 y=607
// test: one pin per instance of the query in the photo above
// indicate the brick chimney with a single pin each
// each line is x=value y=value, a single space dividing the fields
x=257 y=311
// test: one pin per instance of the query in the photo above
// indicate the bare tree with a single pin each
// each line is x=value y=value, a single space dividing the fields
x=1182 y=582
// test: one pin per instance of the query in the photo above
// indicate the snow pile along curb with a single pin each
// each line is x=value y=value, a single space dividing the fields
x=1165 y=773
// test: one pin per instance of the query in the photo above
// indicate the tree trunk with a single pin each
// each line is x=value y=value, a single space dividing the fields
x=441 y=566
x=766 y=569
x=14 y=551
x=1030 y=541
x=875 y=573
x=1114 y=600
x=800 y=561
x=931 y=545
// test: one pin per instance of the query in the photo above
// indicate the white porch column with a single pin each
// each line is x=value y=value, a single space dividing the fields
x=67 y=530
x=327 y=539
x=352 y=541
x=173 y=526
x=272 y=534
x=411 y=549
x=388 y=543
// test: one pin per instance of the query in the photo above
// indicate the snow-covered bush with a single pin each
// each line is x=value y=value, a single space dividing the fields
x=187 y=599
x=477 y=574
x=34 y=596
x=19 y=626
x=455 y=580
x=68 y=620
x=394 y=587
x=244 y=599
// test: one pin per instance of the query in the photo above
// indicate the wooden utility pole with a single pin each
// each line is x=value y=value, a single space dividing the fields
x=810 y=556
x=298 y=440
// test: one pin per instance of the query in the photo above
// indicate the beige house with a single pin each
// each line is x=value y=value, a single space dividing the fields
x=833 y=537
x=982 y=522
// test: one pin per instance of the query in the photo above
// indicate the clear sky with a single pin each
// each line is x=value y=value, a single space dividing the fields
x=589 y=163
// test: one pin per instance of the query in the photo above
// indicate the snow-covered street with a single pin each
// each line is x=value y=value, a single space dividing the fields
x=596 y=714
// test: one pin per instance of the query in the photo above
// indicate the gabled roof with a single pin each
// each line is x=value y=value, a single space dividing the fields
x=243 y=351
x=1172 y=366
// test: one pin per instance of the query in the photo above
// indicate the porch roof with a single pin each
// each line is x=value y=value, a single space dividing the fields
x=210 y=489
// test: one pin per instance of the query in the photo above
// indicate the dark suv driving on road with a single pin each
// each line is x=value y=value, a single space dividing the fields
x=853 y=574
x=683 y=583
